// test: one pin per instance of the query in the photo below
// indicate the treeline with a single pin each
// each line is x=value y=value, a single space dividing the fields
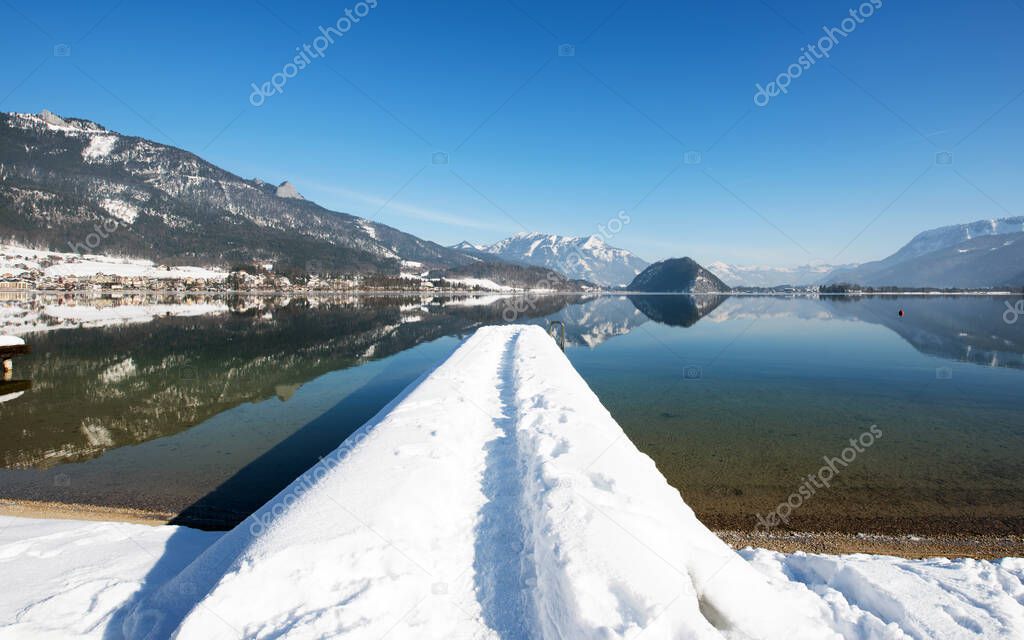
x=846 y=287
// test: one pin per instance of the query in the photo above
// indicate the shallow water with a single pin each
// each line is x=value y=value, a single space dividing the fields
x=211 y=406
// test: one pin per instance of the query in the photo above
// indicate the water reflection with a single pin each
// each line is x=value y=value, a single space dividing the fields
x=115 y=372
x=208 y=405
x=677 y=310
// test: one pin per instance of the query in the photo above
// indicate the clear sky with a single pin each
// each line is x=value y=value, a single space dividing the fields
x=841 y=168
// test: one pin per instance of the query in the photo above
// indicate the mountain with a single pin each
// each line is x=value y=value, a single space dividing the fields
x=469 y=246
x=753 y=276
x=677 y=275
x=981 y=254
x=582 y=258
x=519 y=276
x=67 y=182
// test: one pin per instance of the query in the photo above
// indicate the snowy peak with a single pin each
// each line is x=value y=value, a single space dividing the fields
x=465 y=245
x=943 y=237
x=585 y=258
x=288 y=190
x=979 y=254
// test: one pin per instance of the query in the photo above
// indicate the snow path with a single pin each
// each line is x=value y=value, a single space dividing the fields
x=502 y=570
x=494 y=498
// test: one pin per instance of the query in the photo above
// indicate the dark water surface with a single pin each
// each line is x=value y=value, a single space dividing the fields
x=207 y=406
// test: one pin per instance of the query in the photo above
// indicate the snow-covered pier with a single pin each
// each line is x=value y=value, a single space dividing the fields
x=494 y=498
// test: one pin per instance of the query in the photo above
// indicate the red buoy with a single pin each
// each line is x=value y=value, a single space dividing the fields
x=901 y=313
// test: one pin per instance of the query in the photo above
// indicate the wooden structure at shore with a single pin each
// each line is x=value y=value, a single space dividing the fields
x=7 y=352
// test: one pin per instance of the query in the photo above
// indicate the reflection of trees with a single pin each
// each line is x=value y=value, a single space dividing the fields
x=677 y=310
x=99 y=388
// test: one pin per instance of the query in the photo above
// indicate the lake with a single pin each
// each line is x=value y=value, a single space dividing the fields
x=206 y=406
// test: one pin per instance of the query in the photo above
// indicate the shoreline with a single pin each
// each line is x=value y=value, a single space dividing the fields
x=950 y=545
x=977 y=547
x=77 y=511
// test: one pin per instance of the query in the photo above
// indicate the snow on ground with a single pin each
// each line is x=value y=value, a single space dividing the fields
x=64 y=578
x=99 y=147
x=483 y=283
x=15 y=259
x=494 y=498
x=887 y=597
x=11 y=341
x=120 y=209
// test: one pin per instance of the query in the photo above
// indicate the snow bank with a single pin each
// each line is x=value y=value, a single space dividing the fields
x=64 y=578
x=886 y=597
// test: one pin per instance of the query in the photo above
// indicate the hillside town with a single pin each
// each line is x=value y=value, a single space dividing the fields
x=34 y=270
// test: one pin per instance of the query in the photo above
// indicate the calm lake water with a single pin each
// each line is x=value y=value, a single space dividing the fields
x=207 y=406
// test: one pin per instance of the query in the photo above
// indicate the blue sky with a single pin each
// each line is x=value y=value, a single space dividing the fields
x=842 y=168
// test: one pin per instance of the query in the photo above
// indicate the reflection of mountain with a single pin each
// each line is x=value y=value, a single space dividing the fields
x=594 y=321
x=965 y=329
x=101 y=388
x=676 y=310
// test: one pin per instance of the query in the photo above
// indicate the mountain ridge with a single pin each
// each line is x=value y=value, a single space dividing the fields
x=61 y=177
x=576 y=257
x=980 y=254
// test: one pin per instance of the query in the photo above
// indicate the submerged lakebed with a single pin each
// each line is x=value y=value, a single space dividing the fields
x=203 y=408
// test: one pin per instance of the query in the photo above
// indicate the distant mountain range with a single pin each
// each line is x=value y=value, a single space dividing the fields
x=583 y=258
x=754 y=276
x=62 y=180
x=677 y=275
x=981 y=254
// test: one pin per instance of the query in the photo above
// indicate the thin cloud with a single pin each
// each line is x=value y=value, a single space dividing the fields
x=408 y=210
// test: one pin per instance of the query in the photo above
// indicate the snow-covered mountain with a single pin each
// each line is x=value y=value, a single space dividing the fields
x=980 y=254
x=584 y=258
x=469 y=246
x=61 y=178
x=736 y=275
